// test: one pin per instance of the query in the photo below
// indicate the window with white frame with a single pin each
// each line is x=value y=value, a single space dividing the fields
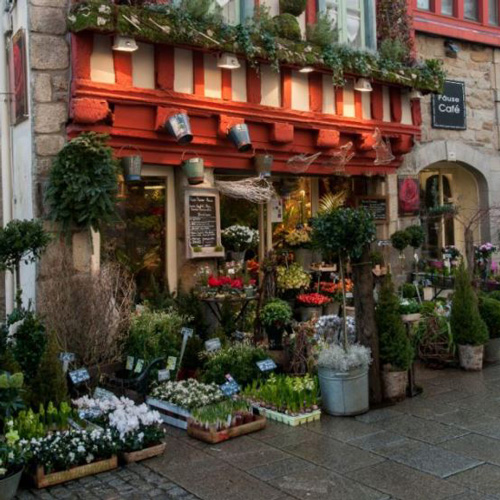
x=353 y=20
x=231 y=10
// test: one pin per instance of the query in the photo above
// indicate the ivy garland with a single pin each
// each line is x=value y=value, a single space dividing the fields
x=256 y=39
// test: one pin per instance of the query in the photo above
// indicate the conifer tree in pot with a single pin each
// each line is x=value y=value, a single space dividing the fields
x=467 y=326
x=396 y=351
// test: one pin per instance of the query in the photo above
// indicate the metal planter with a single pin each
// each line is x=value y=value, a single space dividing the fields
x=178 y=125
x=240 y=137
x=194 y=170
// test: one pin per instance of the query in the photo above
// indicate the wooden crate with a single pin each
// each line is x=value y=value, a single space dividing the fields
x=43 y=480
x=136 y=456
x=212 y=436
x=171 y=414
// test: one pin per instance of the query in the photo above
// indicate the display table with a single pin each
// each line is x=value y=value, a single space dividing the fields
x=215 y=305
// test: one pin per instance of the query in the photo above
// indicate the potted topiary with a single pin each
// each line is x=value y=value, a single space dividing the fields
x=396 y=351
x=489 y=308
x=275 y=317
x=467 y=326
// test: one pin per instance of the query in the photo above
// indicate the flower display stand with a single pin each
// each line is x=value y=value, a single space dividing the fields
x=171 y=414
x=43 y=480
x=212 y=436
x=304 y=418
x=137 y=456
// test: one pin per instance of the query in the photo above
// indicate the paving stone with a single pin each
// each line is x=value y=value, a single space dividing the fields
x=272 y=430
x=334 y=455
x=300 y=435
x=281 y=468
x=482 y=479
x=341 y=429
x=377 y=415
x=405 y=483
x=421 y=429
x=319 y=484
x=380 y=439
x=476 y=446
x=465 y=419
x=428 y=458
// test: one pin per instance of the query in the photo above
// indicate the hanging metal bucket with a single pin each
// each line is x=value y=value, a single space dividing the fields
x=194 y=170
x=178 y=125
x=240 y=136
x=263 y=164
x=132 y=166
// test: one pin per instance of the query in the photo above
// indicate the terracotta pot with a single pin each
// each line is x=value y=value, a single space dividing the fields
x=492 y=351
x=394 y=385
x=471 y=357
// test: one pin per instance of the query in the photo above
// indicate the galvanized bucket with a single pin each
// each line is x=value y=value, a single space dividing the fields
x=240 y=136
x=344 y=393
x=178 y=125
x=132 y=166
x=263 y=164
x=193 y=169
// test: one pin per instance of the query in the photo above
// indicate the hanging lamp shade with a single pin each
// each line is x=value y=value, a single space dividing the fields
x=416 y=94
x=124 y=44
x=363 y=85
x=228 y=61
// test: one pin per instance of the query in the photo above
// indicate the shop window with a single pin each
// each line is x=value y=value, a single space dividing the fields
x=471 y=11
x=353 y=20
x=137 y=239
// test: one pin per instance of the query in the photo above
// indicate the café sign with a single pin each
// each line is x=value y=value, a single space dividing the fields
x=448 y=108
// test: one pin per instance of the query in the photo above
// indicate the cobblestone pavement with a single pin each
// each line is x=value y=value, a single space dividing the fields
x=443 y=444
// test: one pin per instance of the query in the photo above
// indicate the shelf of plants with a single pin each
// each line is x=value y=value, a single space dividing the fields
x=289 y=400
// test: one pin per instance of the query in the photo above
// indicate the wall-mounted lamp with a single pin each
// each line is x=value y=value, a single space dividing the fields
x=125 y=44
x=363 y=85
x=306 y=69
x=228 y=61
x=451 y=49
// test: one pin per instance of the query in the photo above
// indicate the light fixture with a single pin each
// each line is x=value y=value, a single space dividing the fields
x=416 y=95
x=363 y=85
x=125 y=43
x=306 y=69
x=228 y=61
x=451 y=49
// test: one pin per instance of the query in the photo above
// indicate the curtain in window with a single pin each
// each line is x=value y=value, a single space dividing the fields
x=353 y=23
x=493 y=12
x=471 y=10
x=447 y=7
x=423 y=4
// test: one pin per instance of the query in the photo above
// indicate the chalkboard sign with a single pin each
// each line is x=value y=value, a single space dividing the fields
x=448 y=108
x=266 y=365
x=202 y=209
x=378 y=206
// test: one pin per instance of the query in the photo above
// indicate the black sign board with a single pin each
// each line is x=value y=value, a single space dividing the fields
x=378 y=206
x=202 y=221
x=448 y=108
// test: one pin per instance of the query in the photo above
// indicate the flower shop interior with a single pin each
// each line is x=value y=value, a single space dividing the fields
x=254 y=256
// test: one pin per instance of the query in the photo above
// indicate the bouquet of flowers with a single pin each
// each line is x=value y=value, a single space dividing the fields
x=292 y=277
x=188 y=394
x=300 y=237
x=239 y=238
x=330 y=328
x=312 y=299
x=334 y=290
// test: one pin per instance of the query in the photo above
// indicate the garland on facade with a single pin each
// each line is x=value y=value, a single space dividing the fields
x=256 y=39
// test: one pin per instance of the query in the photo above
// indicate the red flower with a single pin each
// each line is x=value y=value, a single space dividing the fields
x=312 y=299
x=237 y=283
x=225 y=280
x=213 y=282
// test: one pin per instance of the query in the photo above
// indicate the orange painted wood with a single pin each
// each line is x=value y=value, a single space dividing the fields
x=358 y=105
x=226 y=82
x=82 y=46
x=416 y=112
x=164 y=67
x=88 y=111
x=377 y=102
x=339 y=101
x=311 y=12
x=316 y=92
x=328 y=138
x=123 y=68
x=253 y=86
x=226 y=122
x=198 y=73
x=396 y=105
x=286 y=88
x=282 y=132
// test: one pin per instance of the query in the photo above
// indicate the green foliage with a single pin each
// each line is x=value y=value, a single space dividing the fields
x=276 y=312
x=197 y=9
x=21 y=240
x=154 y=334
x=400 y=240
x=489 y=309
x=416 y=236
x=49 y=385
x=393 y=51
x=30 y=341
x=83 y=183
x=494 y=295
x=395 y=346
x=322 y=32
x=293 y=7
x=239 y=360
x=376 y=258
x=344 y=231
x=408 y=291
x=467 y=326
x=394 y=25
x=10 y=395
x=287 y=26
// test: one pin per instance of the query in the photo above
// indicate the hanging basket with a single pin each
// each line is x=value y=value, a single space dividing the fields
x=193 y=169
x=263 y=164
x=132 y=166
x=178 y=125
x=240 y=136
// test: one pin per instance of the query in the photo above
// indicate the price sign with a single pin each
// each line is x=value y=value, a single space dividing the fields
x=187 y=332
x=139 y=366
x=163 y=375
x=130 y=363
x=171 y=362
x=100 y=393
x=266 y=365
x=66 y=358
x=212 y=345
x=231 y=387
x=79 y=376
x=349 y=295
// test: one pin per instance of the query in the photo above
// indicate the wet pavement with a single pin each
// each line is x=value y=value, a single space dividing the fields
x=443 y=444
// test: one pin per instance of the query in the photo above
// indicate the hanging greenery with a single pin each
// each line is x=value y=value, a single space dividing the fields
x=83 y=183
x=257 y=39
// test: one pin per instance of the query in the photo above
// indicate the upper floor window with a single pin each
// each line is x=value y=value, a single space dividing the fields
x=471 y=11
x=231 y=10
x=493 y=12
x=424 y=4
x=447 y=7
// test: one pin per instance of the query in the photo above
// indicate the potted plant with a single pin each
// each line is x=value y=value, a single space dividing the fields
x=299 y=240
x=275 y=317
x=238 y=239
x=311 y=305
x=396 y=350
x=331 y=290
x=12 y=459
x=468 y=328
x=489 y=308
x=10 y=395
x=291 y=279
x=409 y=309
x=343 y=378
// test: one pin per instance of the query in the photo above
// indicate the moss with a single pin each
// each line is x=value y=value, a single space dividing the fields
x=287 y=27
x=293 y=7
x=97 y=15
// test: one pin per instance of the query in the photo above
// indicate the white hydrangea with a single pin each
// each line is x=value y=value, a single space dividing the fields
x=334 y=357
